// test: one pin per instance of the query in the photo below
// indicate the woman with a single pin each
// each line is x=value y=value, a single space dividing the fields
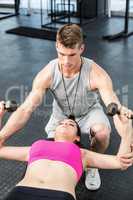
x=54 y=167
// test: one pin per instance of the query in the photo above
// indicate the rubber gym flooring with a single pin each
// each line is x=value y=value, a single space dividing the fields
x=21 y=58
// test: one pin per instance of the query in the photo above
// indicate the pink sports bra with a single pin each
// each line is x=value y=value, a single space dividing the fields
x=66 y=152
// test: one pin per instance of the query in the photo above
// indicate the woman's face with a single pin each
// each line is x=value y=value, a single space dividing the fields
x=67 y=129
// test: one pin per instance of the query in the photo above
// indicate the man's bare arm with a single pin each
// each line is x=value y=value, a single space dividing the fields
x=20 y=117
x=99 y=79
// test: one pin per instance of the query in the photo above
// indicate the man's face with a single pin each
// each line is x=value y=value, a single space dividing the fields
x=69 y=58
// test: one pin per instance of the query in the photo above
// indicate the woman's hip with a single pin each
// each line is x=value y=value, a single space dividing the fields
x=31 y=193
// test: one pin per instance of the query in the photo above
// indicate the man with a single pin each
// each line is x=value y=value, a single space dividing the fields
x=75 y=83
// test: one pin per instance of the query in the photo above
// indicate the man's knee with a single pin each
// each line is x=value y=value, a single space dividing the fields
x=102 y=132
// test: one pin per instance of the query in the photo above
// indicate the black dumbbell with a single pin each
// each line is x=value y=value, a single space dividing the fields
x=10 y=106
x=112 y=109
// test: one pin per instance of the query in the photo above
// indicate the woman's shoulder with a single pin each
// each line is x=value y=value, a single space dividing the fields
x=83 y=152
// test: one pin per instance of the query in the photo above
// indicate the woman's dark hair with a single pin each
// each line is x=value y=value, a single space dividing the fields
x=78 y=128
x=72 y=117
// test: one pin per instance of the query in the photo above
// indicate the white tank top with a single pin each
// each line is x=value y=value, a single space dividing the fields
x=85 y=98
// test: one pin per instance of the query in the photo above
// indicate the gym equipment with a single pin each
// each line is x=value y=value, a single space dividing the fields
x=10 y=106
x=60 y=13
x=124 y=33
x=112 y=109
x=6 y=15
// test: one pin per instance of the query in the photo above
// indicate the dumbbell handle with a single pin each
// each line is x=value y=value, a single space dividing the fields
x=10 y=106
x=112 y=109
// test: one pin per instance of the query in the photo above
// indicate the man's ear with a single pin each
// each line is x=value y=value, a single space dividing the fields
x=56 y=45
x=82 y=48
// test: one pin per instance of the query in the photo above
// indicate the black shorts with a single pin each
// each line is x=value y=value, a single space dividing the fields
x=31 y=193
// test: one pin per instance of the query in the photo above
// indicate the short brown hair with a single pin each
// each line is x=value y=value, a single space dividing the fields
x=70 y=35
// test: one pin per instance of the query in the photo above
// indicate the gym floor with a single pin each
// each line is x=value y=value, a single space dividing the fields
x=21 y=58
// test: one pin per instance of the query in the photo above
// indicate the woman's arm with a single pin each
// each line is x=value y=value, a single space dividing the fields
x=14 y=153
x=103 y=161
x=125 y=131
x=124 y=157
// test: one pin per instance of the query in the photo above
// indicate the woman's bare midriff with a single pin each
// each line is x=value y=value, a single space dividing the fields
x=49 y=174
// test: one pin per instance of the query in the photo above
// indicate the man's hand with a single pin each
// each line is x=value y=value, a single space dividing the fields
x=2 y=110
x=2 y=140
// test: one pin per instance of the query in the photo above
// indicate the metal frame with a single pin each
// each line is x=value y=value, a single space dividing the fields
x=124 y=33
x=9 y=14
x=57 y=17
